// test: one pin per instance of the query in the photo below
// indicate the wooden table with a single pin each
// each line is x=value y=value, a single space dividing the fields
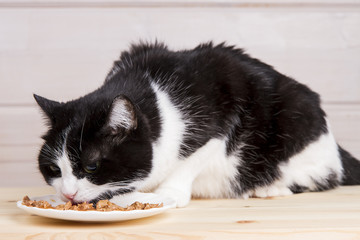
x=327 y=215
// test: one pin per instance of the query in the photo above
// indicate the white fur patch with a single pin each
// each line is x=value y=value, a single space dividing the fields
x=208 y=172
x=313 y=164
x=274 y=190
x=192 y=176
x=219 y=172
x=166 y=148
x=310 y=166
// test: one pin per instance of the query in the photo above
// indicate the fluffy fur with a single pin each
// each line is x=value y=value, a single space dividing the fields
x=208 y=122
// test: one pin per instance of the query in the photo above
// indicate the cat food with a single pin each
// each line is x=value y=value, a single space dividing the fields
x=102 y=205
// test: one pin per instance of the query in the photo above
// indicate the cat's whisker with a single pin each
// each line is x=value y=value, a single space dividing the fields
x=81 y=134
x=119 y=185
x=48 y=152
x=94 y=193
x=74 y=150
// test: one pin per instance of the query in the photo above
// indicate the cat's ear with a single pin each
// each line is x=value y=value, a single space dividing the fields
x=47 y=106
x=122 y=116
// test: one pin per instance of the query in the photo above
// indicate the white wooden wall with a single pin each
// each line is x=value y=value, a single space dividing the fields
x=63 y=49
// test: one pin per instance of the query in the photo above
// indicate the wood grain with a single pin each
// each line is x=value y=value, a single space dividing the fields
x=330 y=215
x=21 y=126
x=21 y=174
x=40 y=53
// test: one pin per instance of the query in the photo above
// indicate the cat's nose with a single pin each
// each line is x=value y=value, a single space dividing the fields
x=70 y=196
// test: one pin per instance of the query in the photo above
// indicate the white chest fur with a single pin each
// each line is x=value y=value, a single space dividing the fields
x=166 y=148
x=218 y=174
x=208 y=172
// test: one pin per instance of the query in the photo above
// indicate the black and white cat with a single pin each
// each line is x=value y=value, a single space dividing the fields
x=210 y=122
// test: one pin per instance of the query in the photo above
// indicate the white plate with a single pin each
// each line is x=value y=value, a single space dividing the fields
x=97 y=216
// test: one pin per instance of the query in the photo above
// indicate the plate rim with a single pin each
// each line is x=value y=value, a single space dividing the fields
x=82 y=216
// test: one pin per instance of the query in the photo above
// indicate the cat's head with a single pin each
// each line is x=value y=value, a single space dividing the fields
x=95 y=148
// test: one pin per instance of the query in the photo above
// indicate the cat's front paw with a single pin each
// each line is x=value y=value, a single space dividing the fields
x=181 y=198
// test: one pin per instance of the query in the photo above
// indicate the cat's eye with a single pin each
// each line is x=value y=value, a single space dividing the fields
x=54 y=168
x=92 y=167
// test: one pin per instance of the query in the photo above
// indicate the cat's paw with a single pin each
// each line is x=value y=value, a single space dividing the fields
x=271 y=191
x=181 y=198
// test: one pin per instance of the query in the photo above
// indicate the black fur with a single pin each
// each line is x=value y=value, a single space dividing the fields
x=221 y=92
x=351 y=168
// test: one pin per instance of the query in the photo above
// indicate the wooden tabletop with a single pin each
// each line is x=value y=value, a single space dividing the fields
x=327 y=215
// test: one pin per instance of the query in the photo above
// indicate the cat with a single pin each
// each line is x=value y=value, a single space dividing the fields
x=210 y=122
